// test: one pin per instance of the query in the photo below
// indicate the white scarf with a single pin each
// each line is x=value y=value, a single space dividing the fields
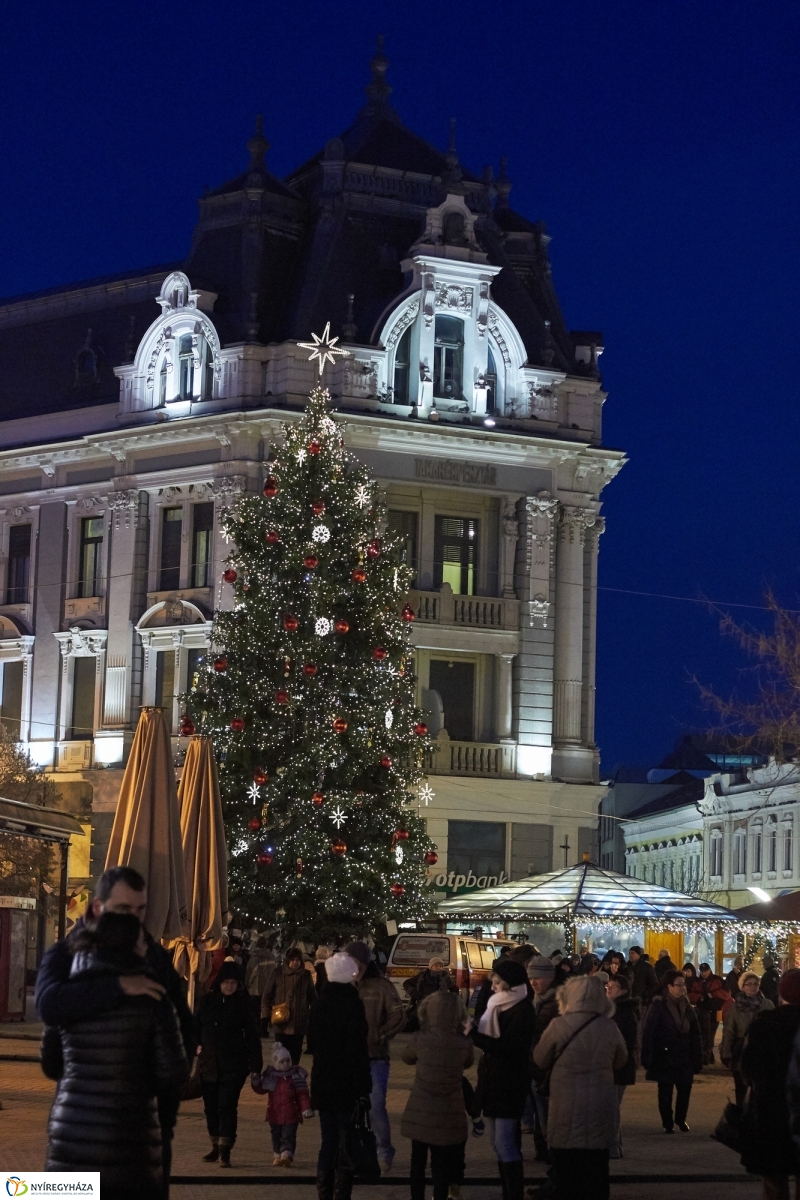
x=498 y=1001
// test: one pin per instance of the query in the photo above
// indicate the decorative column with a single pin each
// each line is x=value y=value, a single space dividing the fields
x=541 y=511
x=504 y=705
x=509 y=529
x=590 y=645
x=568 y=649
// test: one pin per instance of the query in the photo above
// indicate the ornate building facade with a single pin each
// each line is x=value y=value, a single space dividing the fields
x=135 y=408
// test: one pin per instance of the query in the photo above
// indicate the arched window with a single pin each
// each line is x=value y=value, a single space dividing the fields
x=402 y=369
x=208 y=370
x=448 y=358
x=491 y=384
x=185 y=367
x=716 y=852
x=739 y=852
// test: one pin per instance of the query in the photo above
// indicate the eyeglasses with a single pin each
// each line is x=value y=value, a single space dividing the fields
x=680 y=984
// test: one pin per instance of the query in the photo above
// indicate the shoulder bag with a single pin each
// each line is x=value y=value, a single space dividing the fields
x=544 y=1087
x=358 y=1150
x=280 y=1014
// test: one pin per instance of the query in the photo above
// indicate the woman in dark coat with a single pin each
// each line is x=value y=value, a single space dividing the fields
x=769 y=1150
x=229 y=1048
x=104 y=1117
x=672 y=1049
x=341 y=1075
x=505 y=1035
x=627 y=1012
x=293 y=985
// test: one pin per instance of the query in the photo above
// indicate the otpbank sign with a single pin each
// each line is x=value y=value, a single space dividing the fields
x=53 y=1183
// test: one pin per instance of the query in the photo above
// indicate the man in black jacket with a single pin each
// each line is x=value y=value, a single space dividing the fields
x=644 y=983
x=62 y=1001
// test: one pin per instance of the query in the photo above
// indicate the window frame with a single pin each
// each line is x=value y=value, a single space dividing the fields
x=96 y=543
x=470 y=542
x=24 y=598
x=442 y=349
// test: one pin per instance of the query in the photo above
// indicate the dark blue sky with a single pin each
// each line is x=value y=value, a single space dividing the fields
x=658 y=141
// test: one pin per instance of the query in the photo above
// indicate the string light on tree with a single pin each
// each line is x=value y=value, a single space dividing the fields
x=317 y=663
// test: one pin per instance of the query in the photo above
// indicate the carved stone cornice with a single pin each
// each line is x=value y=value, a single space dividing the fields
x=573 y=523
x=82 y=643
x=541 y=511
x=125 y=507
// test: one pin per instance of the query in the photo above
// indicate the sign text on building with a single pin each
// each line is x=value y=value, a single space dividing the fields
x=452 y=470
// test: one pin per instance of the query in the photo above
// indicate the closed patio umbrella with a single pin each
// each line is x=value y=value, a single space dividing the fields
x=146 y=834
x=205 y=859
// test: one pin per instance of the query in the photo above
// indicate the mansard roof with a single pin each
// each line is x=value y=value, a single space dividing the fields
x=282 y=257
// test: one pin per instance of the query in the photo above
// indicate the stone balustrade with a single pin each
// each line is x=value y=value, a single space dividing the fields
x=475 y=612
x=490 y=759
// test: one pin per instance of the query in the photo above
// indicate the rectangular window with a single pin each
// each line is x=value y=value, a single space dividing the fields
x=455 y=683
x=757 y=851
x=165 y=681
x=194 y=659
x=202 y=532
x=19 y=564
x=772 y=844
x=531 y=850
x=788 y=848
x=171 y=533
x=716 y=854
x=91 y=555
x=448 y=355
x=414 y=950
x=84 y=673
x=402 y=369
x=12 y=696
x=404 y=525
x=477 y=848
x=455 y=552
x=739 y=852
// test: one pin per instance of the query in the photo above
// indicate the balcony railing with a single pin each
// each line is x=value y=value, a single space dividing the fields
x=474 y=612
x=489 y=759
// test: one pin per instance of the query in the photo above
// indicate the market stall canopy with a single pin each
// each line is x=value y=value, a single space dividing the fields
x=585 y=894
x=780 y=908
x=29 y=820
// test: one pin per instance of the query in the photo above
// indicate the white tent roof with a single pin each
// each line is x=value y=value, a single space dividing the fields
x=584 y=893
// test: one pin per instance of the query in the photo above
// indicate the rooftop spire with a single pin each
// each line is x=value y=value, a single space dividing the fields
x=258 y=146
x=378 y=90
x=502 y=184
x=453 y=174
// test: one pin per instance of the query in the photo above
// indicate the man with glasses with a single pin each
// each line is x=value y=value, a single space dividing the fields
x=672 y=1050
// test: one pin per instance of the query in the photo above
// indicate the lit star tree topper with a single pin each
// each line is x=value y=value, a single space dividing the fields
x=324 y=348
x=317 y=781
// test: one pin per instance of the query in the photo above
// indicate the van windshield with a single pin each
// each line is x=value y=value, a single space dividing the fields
x=416 y=951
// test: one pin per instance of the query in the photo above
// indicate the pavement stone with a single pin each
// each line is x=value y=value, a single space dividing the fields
x=26 y=1097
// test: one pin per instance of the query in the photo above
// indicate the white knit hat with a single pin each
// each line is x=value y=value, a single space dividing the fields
x=341 y=968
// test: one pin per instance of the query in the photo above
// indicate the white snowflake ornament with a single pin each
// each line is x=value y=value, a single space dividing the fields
x=252 y=791
x=321 y=533
x=322 y=626
x=388 y=720
x=398 y=855
x=338 y=817
x=302 y=455
x=362 y=495
x=426 y=793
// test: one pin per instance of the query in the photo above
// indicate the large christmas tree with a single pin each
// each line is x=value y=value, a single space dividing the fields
x=308 y=693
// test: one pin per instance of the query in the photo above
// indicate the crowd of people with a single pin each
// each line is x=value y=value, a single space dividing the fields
x=560 y=1039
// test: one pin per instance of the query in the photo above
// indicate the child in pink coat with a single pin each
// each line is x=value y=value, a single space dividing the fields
x=288 y=1103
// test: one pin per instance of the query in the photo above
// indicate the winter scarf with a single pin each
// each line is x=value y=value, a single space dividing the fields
x=751 y=1004
x=498 y=1001
x=679 y=1011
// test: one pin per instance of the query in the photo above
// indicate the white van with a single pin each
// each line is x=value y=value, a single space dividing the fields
x=468 y=959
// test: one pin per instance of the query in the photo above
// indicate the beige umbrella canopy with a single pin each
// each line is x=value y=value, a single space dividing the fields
x=205 y=858
x=146 y=833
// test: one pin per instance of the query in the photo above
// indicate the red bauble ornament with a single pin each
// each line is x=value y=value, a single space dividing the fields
x=341 y=625
x=281 y=697
x=221 y=663
x=401 y=835
x=237 y=724
x=397 y=889
x=318 y=799
x=310 y=561
x=310 y=669
x=272 y=537
x=187 y=726
x=340 y=725
x=431 y=858
x=260 y=776
x=379 y=654
x=314 y=446
x=254 y=823
x=359 y=575
x=408 y=613
x=290 y=623
x=374 y=549
x=318 y=508
x=339 y=847
x=385 y=761
x=270 y=487
x=264 y=859
x=420 y=729
x=229 y=576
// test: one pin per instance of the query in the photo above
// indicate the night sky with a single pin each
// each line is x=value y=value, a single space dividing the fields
x=659 y=143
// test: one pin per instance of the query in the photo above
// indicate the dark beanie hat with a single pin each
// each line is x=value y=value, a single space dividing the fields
x=789 y=986
x=512 y=973
x=232 y=970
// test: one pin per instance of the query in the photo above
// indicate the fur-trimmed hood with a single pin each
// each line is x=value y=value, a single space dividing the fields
x=585 y=994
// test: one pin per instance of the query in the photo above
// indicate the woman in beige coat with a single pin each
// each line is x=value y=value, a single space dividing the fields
x=584 y=1047
x=435 y=1118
